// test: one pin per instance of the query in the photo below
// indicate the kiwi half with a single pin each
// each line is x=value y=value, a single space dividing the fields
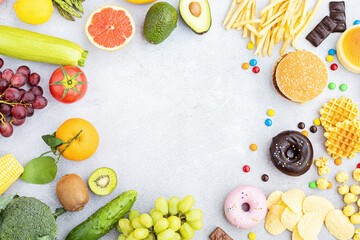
x=103 y=181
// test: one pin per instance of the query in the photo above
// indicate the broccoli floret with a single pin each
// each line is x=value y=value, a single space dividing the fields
x=27 y=218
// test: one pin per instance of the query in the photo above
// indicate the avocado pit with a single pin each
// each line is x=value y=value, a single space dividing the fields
x=195 y=9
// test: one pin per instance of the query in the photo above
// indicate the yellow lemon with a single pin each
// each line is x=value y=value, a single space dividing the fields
x=141 y=1
x=34 y=11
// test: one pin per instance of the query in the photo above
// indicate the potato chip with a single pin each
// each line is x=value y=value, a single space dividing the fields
x=294 y=199
x=289 y=219
x=273 y=220
x=339 y=225
x=296 y=236
x=318 y=204
x=274 y=199
x=310 y=225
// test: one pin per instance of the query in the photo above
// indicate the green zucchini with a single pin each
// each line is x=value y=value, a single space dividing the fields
x=104 y=219
x=26 y=45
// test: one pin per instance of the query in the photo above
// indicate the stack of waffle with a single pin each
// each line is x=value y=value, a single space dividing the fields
x=339 y=117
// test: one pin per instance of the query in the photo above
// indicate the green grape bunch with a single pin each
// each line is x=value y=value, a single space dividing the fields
x=170 y=220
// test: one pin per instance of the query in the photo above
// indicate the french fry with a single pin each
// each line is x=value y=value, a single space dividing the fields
x=266 y=44
x=238 y=10
x=251 y=29
x=272 y=41
x=228 y=15
x=268 y=27
x=253 y=16
x=273 y=17
x=285 y=45
x=270 y=6
x=239 y=19
x=247 y=17
x=251 y=21
x=307 y=23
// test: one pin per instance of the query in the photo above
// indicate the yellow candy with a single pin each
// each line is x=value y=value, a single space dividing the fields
x=343 y=189
x=250 y=46
x=329 y=58
x=252 y=236
x=348 y=210
x=317 y=122
x=350 y=198
x=356 y=174
x=355 y=189
x=342 y=177
x=322 y=183
x=271 y=112
x=355 y=219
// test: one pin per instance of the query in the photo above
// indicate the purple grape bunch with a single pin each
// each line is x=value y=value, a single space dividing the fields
x=16 y=103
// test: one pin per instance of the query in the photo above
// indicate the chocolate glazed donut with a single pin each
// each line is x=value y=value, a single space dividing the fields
x=292 y=153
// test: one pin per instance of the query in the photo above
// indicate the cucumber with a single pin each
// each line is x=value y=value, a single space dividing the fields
x=104 y=219
x=26 y=45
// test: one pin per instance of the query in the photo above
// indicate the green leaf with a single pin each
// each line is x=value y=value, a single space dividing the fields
x=4 y=201
x=40 y=170
x=52 y=141
x=59 y=212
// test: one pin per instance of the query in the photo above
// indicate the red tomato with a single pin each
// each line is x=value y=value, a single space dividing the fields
x=68 y=84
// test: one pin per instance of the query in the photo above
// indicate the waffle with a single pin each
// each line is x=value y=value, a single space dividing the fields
x=344 y=139
x=338 y=111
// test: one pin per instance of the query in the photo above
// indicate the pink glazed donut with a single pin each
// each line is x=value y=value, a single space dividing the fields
x=251 y=197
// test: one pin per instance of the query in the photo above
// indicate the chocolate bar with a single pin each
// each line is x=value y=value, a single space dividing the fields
x=219 y=234
x=337 y=13
x=321 y=31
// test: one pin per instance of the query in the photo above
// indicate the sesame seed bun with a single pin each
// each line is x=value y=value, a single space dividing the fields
x=300 y=76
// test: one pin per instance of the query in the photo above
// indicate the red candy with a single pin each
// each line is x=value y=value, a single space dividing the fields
x=334 y=67
x=246 y=168
x=358 y=166
x=256 y=69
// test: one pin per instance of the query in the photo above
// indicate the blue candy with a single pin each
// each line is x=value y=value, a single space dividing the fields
x=357 y=22
x=268 y=122
x=332 y=52
x=253 y=62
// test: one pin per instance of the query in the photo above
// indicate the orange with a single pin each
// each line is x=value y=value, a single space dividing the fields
x=84 y=146
x=110 y=27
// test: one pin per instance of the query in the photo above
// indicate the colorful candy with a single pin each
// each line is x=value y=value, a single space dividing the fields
x=332 y=86
x=332 y=52
x=252 y=236
x=334 y=67
x=357 y=22
x=329 y=58
x=246 y=168
x=250 y=45
x=253 y=147
x=265 y=178
x=338 y=161
x=301 y=125
x=317 y=122
x=256 y=69
x=343 y=87
x=305 y=133
x=313 y=129
x=268 y=122
x=246 y=66
x=358 y=166
x=313 y=185
x=270 y=113
x=253 y=62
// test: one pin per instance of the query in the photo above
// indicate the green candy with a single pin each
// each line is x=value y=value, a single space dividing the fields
x=313 y=185
x=332 y=86
x=343 y=87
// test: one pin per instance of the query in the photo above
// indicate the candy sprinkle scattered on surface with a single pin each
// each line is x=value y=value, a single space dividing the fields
x=332 y=52
x=305 y=133
x=246 y=168
x=253 y=62
x=268 y=122
x=256 y=70
x=253 y=147
x=246 y=66
x=332 y=86
x=343 y=87
x=329 y=58
x=301 y=125
x=334 y=67
x=313 y=185
x=250 y=46
x=252 y=236
x=357 y=22
x=271 y=113
x=358 y=166
x=330 y=185
x=317 y=122
x=338 y=161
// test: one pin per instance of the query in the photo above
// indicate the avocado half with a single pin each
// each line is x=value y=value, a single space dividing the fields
x=196 y=14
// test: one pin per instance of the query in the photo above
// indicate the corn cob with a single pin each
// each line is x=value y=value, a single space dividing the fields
x=10 y=171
